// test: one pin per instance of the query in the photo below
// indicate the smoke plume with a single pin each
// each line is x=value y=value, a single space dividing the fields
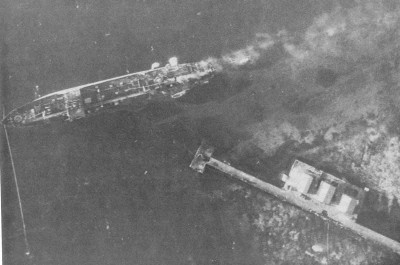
x=246 y=56
x=366 y=32
x=350 y=34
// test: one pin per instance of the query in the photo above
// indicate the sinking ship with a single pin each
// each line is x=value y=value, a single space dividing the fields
x=159 y=83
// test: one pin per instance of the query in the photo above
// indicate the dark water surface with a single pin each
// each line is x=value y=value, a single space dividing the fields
x=116 y=188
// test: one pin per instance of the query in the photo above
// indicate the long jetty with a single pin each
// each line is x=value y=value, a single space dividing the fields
x=204 y=157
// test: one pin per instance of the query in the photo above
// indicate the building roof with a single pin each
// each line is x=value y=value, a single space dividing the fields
x=347 y=204
x=299 y=180
x=325 y=192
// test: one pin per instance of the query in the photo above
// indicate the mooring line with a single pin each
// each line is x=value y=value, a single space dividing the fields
x=28 y=252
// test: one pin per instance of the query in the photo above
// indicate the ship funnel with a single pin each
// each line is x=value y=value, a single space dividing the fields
x=173 y=61
x=36 y=91
x=155 y=65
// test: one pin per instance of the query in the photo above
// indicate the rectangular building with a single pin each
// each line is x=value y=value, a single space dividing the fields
x=347 y=204
x=299 y=178
x=325 y=192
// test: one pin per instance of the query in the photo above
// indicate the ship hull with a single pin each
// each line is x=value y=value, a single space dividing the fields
x=164 y=83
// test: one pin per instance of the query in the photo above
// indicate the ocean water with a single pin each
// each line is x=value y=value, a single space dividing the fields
x=116 y=188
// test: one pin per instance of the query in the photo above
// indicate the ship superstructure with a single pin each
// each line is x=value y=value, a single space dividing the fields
x=159 y=83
